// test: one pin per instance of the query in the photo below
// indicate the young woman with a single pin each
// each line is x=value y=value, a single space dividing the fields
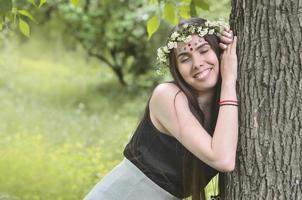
x=190 y=128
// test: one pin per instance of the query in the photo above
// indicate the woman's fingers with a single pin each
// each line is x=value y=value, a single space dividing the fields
x=227 y=29
x=227 y=34
x=223 y=46
x=226 y=40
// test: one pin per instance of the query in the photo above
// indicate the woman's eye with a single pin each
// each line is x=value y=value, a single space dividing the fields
x=204 y=51
x=184 y=59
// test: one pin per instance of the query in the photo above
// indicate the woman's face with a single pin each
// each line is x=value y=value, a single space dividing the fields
x=197 y=63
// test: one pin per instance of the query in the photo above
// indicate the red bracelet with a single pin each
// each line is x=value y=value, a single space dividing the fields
x=228 y=101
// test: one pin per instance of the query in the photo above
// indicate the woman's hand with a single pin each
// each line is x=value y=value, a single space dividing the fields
x=226 y=38
x=228 y=65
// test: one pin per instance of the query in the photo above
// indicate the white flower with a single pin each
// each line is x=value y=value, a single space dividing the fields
x=211 y=31
x=160 y=52
x=174 y=35
x=185 y=26
x=172 y=45
x=192 y=29
x=166 y=50
x=203 y=32
x=188 y=39
x=181 y=38
x=161 y=56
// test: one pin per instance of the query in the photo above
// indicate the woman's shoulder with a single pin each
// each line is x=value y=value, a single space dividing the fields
x=165 y=94
x=166 y=89
x=162 y=104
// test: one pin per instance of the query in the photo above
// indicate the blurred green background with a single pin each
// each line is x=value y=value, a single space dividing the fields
x=74 y=91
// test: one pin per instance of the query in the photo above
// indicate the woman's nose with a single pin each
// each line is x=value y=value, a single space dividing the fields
x=197 y=66
x=198 y=61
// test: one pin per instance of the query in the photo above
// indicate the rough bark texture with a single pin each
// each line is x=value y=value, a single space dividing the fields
x=269 y=159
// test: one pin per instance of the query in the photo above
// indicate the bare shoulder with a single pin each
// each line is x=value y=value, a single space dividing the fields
x=165 y=93
x=164 y=100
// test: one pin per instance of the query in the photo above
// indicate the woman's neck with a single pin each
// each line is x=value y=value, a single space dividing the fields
x=205 y=100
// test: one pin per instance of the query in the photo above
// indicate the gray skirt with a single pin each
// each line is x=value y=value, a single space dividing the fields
x=126 y=182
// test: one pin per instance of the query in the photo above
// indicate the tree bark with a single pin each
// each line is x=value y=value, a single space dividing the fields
x=269 y=158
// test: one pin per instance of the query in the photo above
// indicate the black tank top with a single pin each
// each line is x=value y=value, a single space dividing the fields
x=158 y=155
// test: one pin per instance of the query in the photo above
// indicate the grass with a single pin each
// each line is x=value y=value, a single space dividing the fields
x=64 y=122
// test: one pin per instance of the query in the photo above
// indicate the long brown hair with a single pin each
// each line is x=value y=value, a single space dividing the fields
x=196 y=174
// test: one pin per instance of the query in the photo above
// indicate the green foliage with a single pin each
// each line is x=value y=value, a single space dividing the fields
x=114 y=32
x=24 y=28
x=169 y=13
x=174 y=11
x=152 y=25
x=6 y=6
x=27 y=14
x=202 y=4
x=10 y=10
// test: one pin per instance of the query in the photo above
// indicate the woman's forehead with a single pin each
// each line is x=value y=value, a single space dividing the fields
x=187 y=46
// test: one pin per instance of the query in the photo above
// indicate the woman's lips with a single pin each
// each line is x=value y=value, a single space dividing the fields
x=203 y=75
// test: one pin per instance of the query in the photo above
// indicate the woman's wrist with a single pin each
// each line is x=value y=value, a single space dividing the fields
x=228 y=91
x=228 y=83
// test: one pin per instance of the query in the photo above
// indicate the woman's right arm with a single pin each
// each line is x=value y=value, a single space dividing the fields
x=170 y=108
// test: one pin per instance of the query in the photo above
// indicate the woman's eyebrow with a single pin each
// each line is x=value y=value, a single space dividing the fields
x=198 y=47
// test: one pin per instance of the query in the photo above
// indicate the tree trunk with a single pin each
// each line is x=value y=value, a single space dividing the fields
x=269 y=158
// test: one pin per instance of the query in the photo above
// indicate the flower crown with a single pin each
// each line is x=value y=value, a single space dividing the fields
x=185 y=35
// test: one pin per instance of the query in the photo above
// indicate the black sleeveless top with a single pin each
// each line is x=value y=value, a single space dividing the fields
x=158 y=155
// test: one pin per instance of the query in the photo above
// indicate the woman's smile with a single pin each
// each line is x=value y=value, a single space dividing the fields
x=204 y=74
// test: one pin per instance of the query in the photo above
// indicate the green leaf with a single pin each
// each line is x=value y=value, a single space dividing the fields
x=42 y=2
x=74 y=2
x=169 y=13
x=184 y=11
x=6 y=6
x=202 y=4
x=32 y=2
x=24 y=27
x=152 y=25
x=27 y=14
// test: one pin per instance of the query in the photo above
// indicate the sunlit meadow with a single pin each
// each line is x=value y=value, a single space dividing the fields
x=64 y=121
